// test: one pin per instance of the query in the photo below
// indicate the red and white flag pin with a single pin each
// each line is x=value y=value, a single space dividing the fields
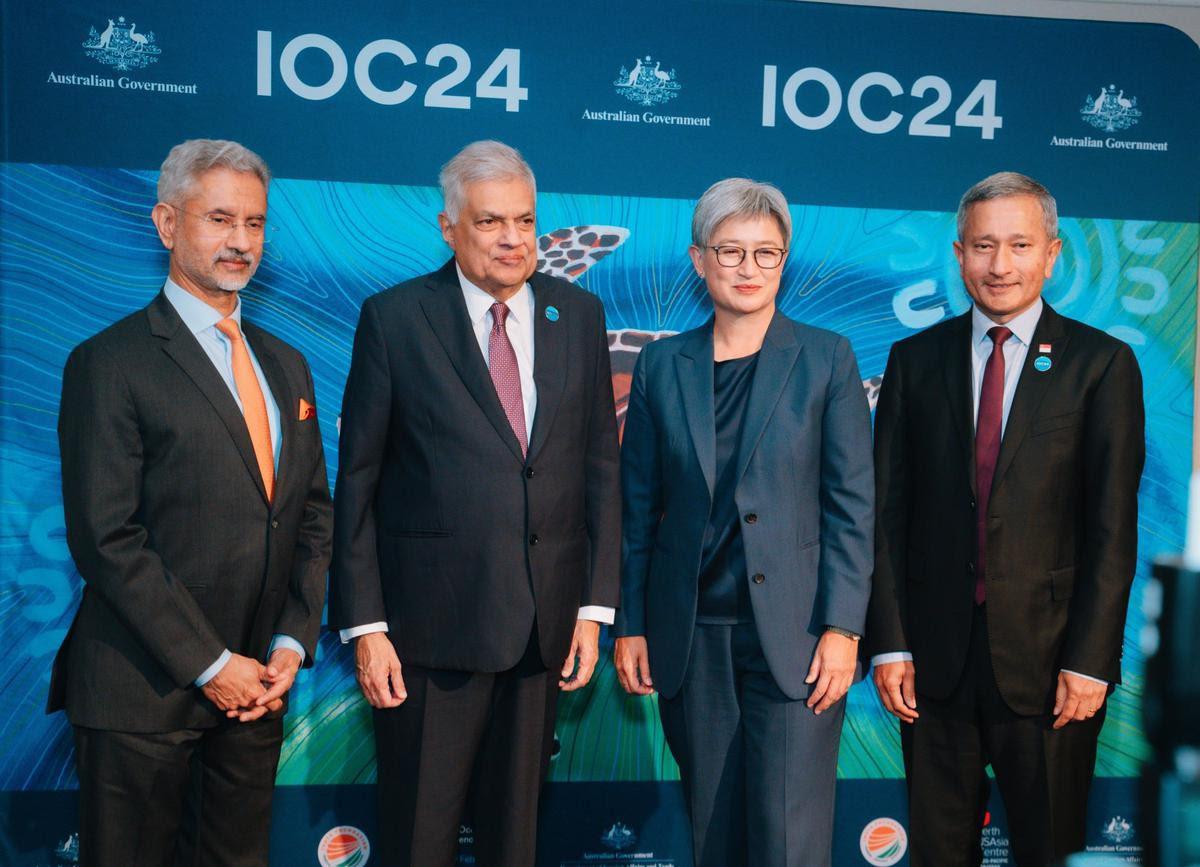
x=1044 y=348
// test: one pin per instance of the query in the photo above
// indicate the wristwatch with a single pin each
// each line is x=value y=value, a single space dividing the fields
x=845 y=633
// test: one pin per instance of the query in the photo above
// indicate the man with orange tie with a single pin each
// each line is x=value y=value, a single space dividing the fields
x=198 y=513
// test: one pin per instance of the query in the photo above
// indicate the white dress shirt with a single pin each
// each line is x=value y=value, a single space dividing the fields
x=522 y=308
x=1015 y=349
x=201 y=319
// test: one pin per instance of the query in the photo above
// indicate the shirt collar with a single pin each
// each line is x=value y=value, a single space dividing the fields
x=197 y=315
x=1022 y=326
x=480 y=302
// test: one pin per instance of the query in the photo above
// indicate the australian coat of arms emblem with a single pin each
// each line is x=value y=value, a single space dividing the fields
x=619 y=836
x=1117 y=830
x=120 y=45
x=1110 y=109
x=645 y=84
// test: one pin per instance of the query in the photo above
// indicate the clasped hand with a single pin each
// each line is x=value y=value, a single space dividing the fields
x=247 y=690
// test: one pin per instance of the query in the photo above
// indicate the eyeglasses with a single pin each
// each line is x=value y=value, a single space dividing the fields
x=730 y=256
x=223 y=224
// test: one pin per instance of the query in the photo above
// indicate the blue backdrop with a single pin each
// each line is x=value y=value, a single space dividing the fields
x=872 y=121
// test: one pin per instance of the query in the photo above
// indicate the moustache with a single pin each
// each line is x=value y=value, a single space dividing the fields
x=234 y=256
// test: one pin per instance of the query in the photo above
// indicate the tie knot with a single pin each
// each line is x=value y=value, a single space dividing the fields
x=229 y=328
x=999 y=334
x=499 y=314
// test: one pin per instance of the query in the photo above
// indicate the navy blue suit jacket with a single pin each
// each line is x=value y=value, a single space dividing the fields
x=805 y=494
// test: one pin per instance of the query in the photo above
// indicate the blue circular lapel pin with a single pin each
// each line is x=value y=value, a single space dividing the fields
x=552 y=313
x=1041 y=363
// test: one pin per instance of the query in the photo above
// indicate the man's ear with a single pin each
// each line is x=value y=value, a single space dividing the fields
x=447 y=229
x=165 y=221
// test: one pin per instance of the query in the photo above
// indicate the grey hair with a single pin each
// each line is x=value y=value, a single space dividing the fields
x=742 y=198
x=189 y=160
x=480 y=161
x=1003 y=184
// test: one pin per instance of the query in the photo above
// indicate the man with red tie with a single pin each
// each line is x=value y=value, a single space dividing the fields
x=1009 y=445
x=478 y=520
x=197 y=510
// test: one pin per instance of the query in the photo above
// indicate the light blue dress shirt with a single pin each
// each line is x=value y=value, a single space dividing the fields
x=201 y=320
x=1016 y=349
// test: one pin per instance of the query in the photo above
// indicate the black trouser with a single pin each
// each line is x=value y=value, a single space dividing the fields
x=1044 y=775
x=189 y=798
x=465 y=741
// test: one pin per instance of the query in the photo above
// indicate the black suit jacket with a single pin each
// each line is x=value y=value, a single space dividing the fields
x=1062 y=523
x=443 y=529
x=167 y=519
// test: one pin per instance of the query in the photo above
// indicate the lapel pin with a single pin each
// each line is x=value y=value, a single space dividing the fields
x=552 y=313
x=1044 y=348
x=1041 y=364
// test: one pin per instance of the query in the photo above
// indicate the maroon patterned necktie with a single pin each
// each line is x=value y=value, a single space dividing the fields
x=502 y=364
x=987 y=447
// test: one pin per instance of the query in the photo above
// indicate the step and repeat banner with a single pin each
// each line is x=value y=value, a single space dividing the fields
x=872 y=121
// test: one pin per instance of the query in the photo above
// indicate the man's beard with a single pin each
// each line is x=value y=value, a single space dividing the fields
x=232 y=283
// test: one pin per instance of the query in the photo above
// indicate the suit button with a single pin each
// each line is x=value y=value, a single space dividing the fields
x=533 y=538
x=752 y=518
x=529 y=472
x=758 y=578
x=971 y=568
x=972 y=504
x=274 y=525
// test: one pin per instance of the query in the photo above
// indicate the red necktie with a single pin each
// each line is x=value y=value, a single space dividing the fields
x=254 y=406
x=987 y=447
x=502 y=364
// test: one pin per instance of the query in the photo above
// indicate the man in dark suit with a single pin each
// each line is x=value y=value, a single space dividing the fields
x=198 y=513
x=1009 y=445
x=478 y=514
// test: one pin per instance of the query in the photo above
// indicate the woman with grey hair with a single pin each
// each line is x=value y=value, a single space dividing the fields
x=748 y=518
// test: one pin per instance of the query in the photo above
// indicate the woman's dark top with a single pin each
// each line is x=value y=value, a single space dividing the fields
x=724 y=597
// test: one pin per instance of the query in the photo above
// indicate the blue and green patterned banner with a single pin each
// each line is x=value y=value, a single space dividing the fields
x=627 y=113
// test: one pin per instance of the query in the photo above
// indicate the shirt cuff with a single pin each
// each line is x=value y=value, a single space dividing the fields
x=214 y=669
x=598 y=613
x=279 y=641
x=1085 y=676
x=348 y=635
x=885 y=658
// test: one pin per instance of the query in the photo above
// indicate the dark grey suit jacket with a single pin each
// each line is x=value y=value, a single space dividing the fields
x=443 y=529
x=167 y=519
x=805 y=492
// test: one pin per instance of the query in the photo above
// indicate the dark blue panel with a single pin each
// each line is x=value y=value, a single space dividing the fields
x=585 y=130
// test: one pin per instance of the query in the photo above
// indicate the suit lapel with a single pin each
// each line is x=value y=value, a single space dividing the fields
x=960 y=397
x=181 y=345
x=287 y=402
x=446 y=311
x=776 y=359
x=550 y=353
x=1031 y=389
x=694 y=368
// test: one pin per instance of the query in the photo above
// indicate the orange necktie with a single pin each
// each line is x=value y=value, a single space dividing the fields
x=254 y=407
